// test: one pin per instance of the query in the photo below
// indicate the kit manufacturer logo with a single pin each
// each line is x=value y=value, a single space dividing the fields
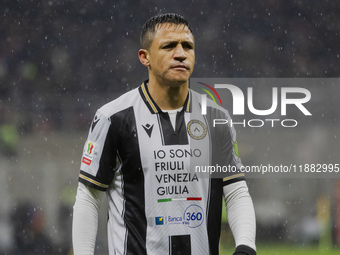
x=148 y=129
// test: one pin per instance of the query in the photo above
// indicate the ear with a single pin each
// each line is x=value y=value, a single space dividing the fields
x=143 y=56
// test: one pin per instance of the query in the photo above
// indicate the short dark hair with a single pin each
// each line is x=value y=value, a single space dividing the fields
x=149 y=28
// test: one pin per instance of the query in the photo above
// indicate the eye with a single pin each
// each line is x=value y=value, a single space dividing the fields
x=169 y=46
x=187 y=45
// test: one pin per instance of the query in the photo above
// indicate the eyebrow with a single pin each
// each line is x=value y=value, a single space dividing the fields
x=175 y=42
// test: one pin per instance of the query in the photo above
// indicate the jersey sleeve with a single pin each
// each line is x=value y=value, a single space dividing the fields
x=234 y=163
x=98 y=160
x=224 y=147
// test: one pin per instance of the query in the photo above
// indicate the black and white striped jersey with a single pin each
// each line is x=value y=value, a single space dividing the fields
x=161 y=198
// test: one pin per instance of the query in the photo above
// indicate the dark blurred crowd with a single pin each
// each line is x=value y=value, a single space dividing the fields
x=59 y=60
x=30 y=236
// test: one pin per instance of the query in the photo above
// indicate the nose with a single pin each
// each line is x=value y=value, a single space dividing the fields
x=179 y=53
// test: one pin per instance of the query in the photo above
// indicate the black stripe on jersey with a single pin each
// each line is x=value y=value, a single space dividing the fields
x=188 y=103
x=160 y=128
x=221 y=153
x=125 y=129
x=214 y=223
x=216 y=191
x=168 y=134
x=180 y=245
x=171 y=136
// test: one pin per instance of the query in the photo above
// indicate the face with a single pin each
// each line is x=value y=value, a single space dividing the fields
x=171 y=56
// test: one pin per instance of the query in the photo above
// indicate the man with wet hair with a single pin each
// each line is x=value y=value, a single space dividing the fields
x=150 y=27
x=142 y=149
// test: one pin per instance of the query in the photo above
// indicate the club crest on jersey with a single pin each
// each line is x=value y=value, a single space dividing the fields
x=196 y=129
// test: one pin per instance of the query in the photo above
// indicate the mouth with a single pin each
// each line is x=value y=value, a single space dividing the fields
x=180 y=67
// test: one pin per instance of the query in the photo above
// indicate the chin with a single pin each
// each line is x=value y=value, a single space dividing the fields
x=180 y=78
x=179 y=82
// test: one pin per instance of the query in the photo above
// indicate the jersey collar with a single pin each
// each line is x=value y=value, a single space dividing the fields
x=153 y=107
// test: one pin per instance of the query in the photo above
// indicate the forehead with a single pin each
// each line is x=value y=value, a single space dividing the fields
x=173 y=32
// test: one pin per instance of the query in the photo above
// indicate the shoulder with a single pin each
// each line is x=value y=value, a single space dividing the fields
x=119 y=104
x=213 y=109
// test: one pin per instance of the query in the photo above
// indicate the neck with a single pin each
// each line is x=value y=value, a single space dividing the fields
x=168 y=97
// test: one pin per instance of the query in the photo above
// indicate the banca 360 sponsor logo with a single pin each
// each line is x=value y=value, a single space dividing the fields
x=192 y=217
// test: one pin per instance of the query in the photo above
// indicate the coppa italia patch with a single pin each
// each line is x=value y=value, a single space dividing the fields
x=88 y=153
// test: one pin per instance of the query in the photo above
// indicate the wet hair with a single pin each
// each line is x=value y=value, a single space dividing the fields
x=149 y=28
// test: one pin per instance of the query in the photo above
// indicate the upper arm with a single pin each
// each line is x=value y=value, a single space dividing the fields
x=99 y=154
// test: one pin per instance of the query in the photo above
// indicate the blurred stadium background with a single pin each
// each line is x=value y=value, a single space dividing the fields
x=61 y=60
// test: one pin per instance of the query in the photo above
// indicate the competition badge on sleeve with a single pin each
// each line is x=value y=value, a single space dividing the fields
x=88 y=153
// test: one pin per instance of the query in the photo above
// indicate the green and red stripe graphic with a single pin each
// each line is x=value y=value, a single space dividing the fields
x=179 y=199
x=209 y=93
